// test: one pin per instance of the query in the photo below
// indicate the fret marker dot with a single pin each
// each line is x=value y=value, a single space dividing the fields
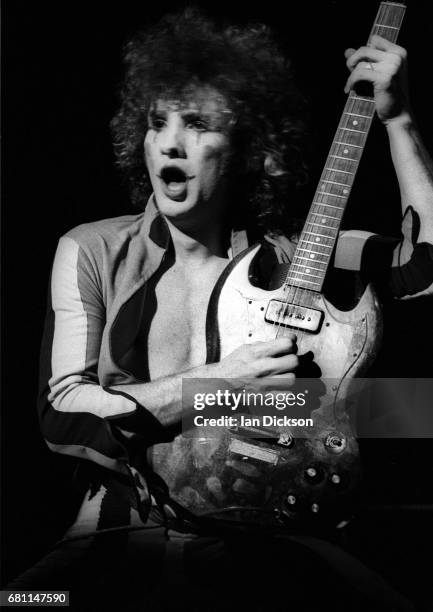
x=312 y=256
x=355 y=122
x=317 y=239
x=308 y=270
x=346 y=151
x=345 y=191
x=323 y=221
x=323 y=186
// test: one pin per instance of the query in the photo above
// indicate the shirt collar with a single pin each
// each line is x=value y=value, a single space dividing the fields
x=154 y=224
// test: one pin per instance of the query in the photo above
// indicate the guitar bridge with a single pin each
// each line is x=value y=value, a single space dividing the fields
x=293 y=315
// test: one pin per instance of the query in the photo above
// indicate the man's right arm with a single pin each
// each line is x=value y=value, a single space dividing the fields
x=80 y=417
x=163 y=397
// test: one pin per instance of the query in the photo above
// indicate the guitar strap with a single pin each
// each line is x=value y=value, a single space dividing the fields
x=283 y=247
x=239 y=242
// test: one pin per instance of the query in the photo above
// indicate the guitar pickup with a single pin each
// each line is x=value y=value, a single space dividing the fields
x=293 y=315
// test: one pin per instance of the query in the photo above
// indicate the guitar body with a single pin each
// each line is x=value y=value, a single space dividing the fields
x=305 y=475
x=237 y=311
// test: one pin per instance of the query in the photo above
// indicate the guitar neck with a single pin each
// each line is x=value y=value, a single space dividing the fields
x=320 y=233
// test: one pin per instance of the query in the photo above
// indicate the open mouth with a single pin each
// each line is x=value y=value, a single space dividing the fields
x=172 y=174
x=174 y=181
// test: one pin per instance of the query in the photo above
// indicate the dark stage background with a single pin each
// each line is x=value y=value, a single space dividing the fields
x=61 y=69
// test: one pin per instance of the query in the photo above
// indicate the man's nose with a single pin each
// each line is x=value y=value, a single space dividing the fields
x=173 y=141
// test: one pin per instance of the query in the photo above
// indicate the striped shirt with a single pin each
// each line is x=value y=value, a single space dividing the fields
x=98 y=290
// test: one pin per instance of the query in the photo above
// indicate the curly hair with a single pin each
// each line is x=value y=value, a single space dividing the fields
x=246 y=66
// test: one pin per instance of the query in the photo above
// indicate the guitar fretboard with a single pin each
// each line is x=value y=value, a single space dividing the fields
x=320 y=233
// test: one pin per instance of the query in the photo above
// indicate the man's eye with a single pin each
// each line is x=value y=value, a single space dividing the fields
x=197 y=124
x=156 y=123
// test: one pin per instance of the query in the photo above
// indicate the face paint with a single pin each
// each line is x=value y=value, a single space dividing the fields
x=187 y=150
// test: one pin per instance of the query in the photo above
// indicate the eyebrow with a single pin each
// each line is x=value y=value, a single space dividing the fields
x=184 y=112
x=156 y=111
x=212 y=117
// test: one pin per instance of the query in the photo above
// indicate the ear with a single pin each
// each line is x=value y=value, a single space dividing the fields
x=272 y=167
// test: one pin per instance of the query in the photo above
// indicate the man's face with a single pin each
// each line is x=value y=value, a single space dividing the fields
x=187 y=150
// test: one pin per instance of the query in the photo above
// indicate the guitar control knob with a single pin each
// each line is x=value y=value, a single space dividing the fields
x=336 y=479
x=291 y=500
x=315 y=508
x=286 y=439
x=335 y=442
x=313 y=474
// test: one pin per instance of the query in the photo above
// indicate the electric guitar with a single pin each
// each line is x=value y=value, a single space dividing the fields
x=274 y=475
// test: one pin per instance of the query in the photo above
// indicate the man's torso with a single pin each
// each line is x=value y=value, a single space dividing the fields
x=176 y=339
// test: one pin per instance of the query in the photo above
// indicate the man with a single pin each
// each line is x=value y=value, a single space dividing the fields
x=212 y=120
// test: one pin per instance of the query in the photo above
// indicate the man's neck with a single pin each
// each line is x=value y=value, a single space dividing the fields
x=198 y=246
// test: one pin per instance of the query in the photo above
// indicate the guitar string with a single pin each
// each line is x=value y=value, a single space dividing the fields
x=306 y=235
x=383 y=15
x=317 y=211
x=383 y=18
x=307 y=232
x=311 y=220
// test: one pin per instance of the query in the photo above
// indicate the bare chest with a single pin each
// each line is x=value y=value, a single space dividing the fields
x=177 y=338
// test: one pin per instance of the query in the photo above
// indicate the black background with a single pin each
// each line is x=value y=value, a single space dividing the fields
x=60 y=76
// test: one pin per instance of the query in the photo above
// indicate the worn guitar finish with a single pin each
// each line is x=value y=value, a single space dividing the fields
x=305 y=475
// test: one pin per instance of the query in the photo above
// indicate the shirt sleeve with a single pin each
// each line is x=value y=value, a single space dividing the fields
x=403 y=268
x=76 y=413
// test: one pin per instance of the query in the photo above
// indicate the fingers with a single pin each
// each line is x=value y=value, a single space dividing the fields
x=273 y=366
x=379 y=74
x=283 y=379
x=361 y=74
x=276 y=357
x=366 y=54
x=288 y=363
x=279 y=346
x=378 y=42
x=379 y=50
